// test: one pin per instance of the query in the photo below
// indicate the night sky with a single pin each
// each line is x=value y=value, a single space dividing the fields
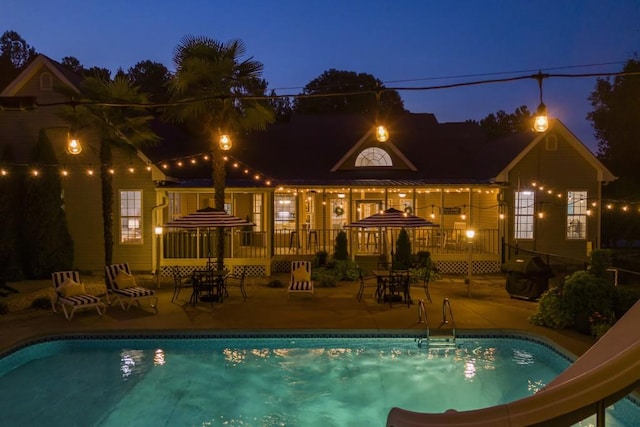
x=403 y=43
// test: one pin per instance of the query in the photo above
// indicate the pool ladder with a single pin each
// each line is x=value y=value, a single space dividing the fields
x=446 y=339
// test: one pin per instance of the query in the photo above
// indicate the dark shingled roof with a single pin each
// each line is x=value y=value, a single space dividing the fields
x=304 y=151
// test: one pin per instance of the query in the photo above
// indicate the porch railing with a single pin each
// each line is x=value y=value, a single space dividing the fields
x=201 y=244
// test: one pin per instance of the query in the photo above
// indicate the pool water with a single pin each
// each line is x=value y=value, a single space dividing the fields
x=256 y=381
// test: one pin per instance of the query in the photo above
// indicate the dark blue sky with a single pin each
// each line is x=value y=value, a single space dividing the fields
x=401 y=42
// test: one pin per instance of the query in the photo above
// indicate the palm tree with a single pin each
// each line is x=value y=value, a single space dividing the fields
x=211 y=84
x=100 y=110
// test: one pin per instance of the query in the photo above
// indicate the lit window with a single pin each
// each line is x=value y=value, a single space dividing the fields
x=523 y=214
x=284 y=211
x=576 y=215
x=131 y=216
x=373 y=156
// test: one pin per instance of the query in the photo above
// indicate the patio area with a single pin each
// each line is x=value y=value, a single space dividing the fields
x=270 y=309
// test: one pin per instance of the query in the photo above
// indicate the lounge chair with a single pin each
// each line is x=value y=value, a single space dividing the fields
x=236 y=280
x=69 y=293
x=121 y=286
x=300 y=277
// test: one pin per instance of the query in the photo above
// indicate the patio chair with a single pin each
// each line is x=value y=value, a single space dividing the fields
x=121 y=287
x=398 y=288
x=367 y=281
x=300 y=277
x=236 y=280
x=180 y=282
x=69 y=293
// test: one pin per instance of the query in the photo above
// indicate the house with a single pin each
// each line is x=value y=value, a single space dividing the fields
x=302 y=181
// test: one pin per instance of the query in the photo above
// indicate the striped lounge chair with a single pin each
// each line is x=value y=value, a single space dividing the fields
x=300 y=277
x=69 y=293
x=121 y=287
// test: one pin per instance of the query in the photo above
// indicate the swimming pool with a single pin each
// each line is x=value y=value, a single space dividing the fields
x=256 y=380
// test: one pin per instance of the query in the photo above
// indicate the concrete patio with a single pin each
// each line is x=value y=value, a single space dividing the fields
x=270 y=309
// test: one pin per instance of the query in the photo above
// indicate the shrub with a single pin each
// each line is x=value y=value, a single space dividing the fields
x=403 y=257
x=585 y=294
x=341 y=251
x=324 y=278
x=320 y=259
x=623 y=298
x=600 y=261
x=41 y=303
x=552 y=312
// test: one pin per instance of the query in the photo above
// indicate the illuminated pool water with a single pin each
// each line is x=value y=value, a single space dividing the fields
x=287 y=380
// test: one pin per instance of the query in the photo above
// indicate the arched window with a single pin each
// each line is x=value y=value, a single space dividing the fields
x=46 y=81
x=373 y=156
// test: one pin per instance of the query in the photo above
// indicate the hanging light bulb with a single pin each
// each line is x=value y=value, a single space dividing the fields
x=541 y=120
x=73 y=146
x=382 y=134
x=225 y=142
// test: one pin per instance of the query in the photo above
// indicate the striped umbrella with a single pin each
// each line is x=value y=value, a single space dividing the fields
x=208 y=218
x=392 y=218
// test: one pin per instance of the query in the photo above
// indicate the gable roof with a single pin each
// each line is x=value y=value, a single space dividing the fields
x=67 y=77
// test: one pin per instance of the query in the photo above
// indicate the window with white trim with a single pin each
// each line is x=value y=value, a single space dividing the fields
x=131 y=216
x=577 y=215
x=373 y=156
x=257 y=212
x=523 y=214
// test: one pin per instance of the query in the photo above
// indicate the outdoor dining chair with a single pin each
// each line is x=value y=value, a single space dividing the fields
x=236 y=280
x=367 y=281
x=397 y=289
x=180 y=282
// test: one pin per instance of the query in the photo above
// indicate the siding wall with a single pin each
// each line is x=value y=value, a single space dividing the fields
x=558 y=170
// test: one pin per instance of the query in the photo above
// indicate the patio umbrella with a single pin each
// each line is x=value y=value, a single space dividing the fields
x=208 y=218
x=391 y=218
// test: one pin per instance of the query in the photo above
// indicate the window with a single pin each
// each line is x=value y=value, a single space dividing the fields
x=576 y=215
x=131 y=216
x=523 y=214
x=257 y=212
x=373 y=156
x=285 y=211
x=175 y=203
x=46 y=81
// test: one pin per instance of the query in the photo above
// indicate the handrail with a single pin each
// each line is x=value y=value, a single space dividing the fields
x=446 y=304
x=423 y=311
x=604 y=374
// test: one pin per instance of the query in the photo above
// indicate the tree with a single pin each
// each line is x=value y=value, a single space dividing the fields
x=11 y=208
x=49 y=246
x=151 y=78
x=15 y=54
x=281 y=106
x=341 y=85
x=72 y=64
x=502 y=124
x=212 y=78
x=616 y=108
x=125 y=127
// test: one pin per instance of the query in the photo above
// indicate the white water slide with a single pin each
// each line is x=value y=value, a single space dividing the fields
x=604 y=374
